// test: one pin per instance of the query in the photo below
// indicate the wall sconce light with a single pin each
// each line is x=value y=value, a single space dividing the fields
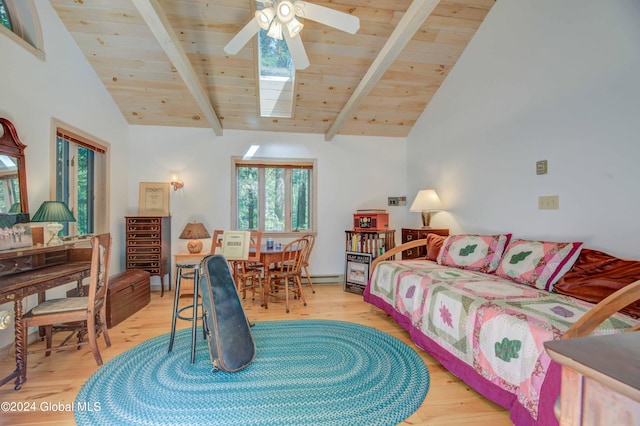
x=176 y=182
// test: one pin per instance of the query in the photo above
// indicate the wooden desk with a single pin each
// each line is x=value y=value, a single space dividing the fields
x=600 y=379
x=31 y=271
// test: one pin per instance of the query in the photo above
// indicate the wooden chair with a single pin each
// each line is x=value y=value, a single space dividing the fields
x=216 y=241
x=305 y=261
x=249 y=270
x=82 y=315
x=287 y=273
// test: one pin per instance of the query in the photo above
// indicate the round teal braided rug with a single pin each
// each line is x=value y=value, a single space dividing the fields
x=310 y=372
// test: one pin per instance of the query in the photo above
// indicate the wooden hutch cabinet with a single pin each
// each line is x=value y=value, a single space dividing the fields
x=149 y=245
x=411 y=234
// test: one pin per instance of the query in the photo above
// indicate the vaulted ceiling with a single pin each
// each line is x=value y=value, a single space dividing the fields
x=163 y=62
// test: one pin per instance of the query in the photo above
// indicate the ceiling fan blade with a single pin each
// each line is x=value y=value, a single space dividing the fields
x=242 y=38
x=330 y=17
x=296 y=49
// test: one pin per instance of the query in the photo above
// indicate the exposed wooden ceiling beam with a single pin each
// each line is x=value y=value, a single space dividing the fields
x=407 y=27
x=157 y=21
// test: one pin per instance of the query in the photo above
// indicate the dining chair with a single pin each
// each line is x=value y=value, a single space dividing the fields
x=82 y=316
x=249 y=270
x=287 y=273
x=305 y=261
x=216 y=241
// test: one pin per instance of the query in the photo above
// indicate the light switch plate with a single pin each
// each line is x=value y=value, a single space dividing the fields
x=397 y=201
x=548 y=202
x=541 y=167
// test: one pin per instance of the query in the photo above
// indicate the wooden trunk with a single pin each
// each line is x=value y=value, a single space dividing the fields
x=128 y=292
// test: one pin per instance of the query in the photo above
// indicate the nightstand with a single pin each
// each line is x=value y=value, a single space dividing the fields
x=600 y=379
x=411 y=234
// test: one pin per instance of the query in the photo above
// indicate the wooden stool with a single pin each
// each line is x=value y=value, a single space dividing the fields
x=192 y=272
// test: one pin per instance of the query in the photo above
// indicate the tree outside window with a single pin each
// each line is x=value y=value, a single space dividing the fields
x=274 y=197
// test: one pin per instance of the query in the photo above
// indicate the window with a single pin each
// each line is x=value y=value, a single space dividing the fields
x=274 y=196
x=277 y=77
x=81 y=169
x=19 y=21
x=5 y=19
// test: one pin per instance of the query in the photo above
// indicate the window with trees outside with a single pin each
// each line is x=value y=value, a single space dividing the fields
x=274 y=196
x=81 y=170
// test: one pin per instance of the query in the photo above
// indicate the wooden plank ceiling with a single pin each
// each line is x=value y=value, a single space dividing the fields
x=163 y=62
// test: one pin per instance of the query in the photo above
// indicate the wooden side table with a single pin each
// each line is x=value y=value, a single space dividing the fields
x=189 y=259
x=600 y=379
x=412 y=234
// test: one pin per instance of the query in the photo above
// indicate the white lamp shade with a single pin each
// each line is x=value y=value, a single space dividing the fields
x=427 y=199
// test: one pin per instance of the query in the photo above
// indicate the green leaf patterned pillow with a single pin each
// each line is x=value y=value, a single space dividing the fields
x=539 y=264
x=474 y=252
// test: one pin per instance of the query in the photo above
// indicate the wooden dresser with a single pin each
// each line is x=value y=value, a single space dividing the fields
x=412 y=234
x=600 y=379
x=149 y=245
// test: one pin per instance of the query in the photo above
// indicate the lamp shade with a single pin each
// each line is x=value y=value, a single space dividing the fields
x=53 y=211
x=427 y=199
x=194 y=231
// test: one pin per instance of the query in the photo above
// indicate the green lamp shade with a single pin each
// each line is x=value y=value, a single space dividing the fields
x=53 y=211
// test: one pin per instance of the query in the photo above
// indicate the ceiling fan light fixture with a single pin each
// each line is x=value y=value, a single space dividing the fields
x=275 y=30
x=294 y=27
x=264 y=17
x=285 y=11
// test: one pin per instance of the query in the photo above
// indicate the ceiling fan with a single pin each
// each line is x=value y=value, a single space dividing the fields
x=278 y=18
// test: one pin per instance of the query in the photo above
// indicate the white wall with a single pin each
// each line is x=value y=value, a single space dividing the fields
x=540 y=80
x=62 y=86
x=353 y=173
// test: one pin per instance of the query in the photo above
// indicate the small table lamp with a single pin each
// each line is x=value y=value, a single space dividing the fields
x=426 y=201
x=194 y=231
x=53 y=212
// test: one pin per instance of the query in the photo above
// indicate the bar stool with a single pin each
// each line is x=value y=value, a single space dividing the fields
x=191 y=271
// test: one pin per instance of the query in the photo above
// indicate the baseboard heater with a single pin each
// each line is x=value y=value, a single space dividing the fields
x=316 y=279
x=325 y=279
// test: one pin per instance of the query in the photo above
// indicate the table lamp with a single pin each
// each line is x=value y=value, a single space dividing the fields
x=426 y=201
x=53 y=212
x=194 y=231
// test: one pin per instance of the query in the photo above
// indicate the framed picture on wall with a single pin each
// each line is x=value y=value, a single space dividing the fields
x=356 y=271
x=154 y=199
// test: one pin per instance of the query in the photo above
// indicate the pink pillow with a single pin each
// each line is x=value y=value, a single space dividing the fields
x=539 y=264
x=475 y=252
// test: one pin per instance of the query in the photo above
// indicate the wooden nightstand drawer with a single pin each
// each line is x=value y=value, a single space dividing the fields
x=412 y=234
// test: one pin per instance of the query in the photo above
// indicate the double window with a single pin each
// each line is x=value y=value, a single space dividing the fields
x=274 y=196
x=81 y=167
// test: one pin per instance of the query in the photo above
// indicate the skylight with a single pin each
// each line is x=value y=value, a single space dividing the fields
x=276 y=76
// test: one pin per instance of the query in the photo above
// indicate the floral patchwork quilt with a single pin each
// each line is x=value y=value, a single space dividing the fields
x=495 y=326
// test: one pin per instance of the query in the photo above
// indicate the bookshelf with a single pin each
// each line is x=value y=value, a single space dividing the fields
x=361 y=248
x=372 y=242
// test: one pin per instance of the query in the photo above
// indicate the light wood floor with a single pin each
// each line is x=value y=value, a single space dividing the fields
x=56 y=380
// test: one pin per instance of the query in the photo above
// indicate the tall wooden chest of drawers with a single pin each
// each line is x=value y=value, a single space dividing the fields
x=411 y=234
x=149 y=245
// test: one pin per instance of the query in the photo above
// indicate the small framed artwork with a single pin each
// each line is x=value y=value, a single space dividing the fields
x=154 y=199
x=356 y=272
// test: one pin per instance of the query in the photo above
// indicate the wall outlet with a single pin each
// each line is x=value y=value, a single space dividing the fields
x=548 y=202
